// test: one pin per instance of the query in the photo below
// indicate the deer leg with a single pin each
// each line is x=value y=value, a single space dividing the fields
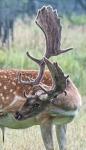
x=61 y=136
x=46 y=131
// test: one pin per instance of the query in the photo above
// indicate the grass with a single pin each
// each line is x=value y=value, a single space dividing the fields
x=28 y=37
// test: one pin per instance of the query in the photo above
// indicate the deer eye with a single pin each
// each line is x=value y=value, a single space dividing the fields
x=36 y=106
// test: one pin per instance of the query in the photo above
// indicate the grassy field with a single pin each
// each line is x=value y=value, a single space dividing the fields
x=28 y=37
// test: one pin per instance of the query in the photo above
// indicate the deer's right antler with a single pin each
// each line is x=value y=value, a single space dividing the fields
x=49 y=22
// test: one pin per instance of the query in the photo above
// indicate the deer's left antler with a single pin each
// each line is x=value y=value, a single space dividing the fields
x=59 y=79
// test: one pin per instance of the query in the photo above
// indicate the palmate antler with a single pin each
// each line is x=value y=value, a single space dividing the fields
x=49 y=22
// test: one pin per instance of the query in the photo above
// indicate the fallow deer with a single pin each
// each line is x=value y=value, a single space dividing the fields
x=47 y=99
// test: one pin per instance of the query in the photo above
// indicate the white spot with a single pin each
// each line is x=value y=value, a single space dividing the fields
x=0 y=84
x=2 y=97
x=14 y=93
x=7 y=98
x=13 y=83
x=1 y=94
x=5 y=77
x=5 y=87
x=11 y=90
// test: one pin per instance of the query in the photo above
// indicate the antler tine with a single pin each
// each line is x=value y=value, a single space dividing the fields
x=63 y=51
x=41 y=63
x=38 y=61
